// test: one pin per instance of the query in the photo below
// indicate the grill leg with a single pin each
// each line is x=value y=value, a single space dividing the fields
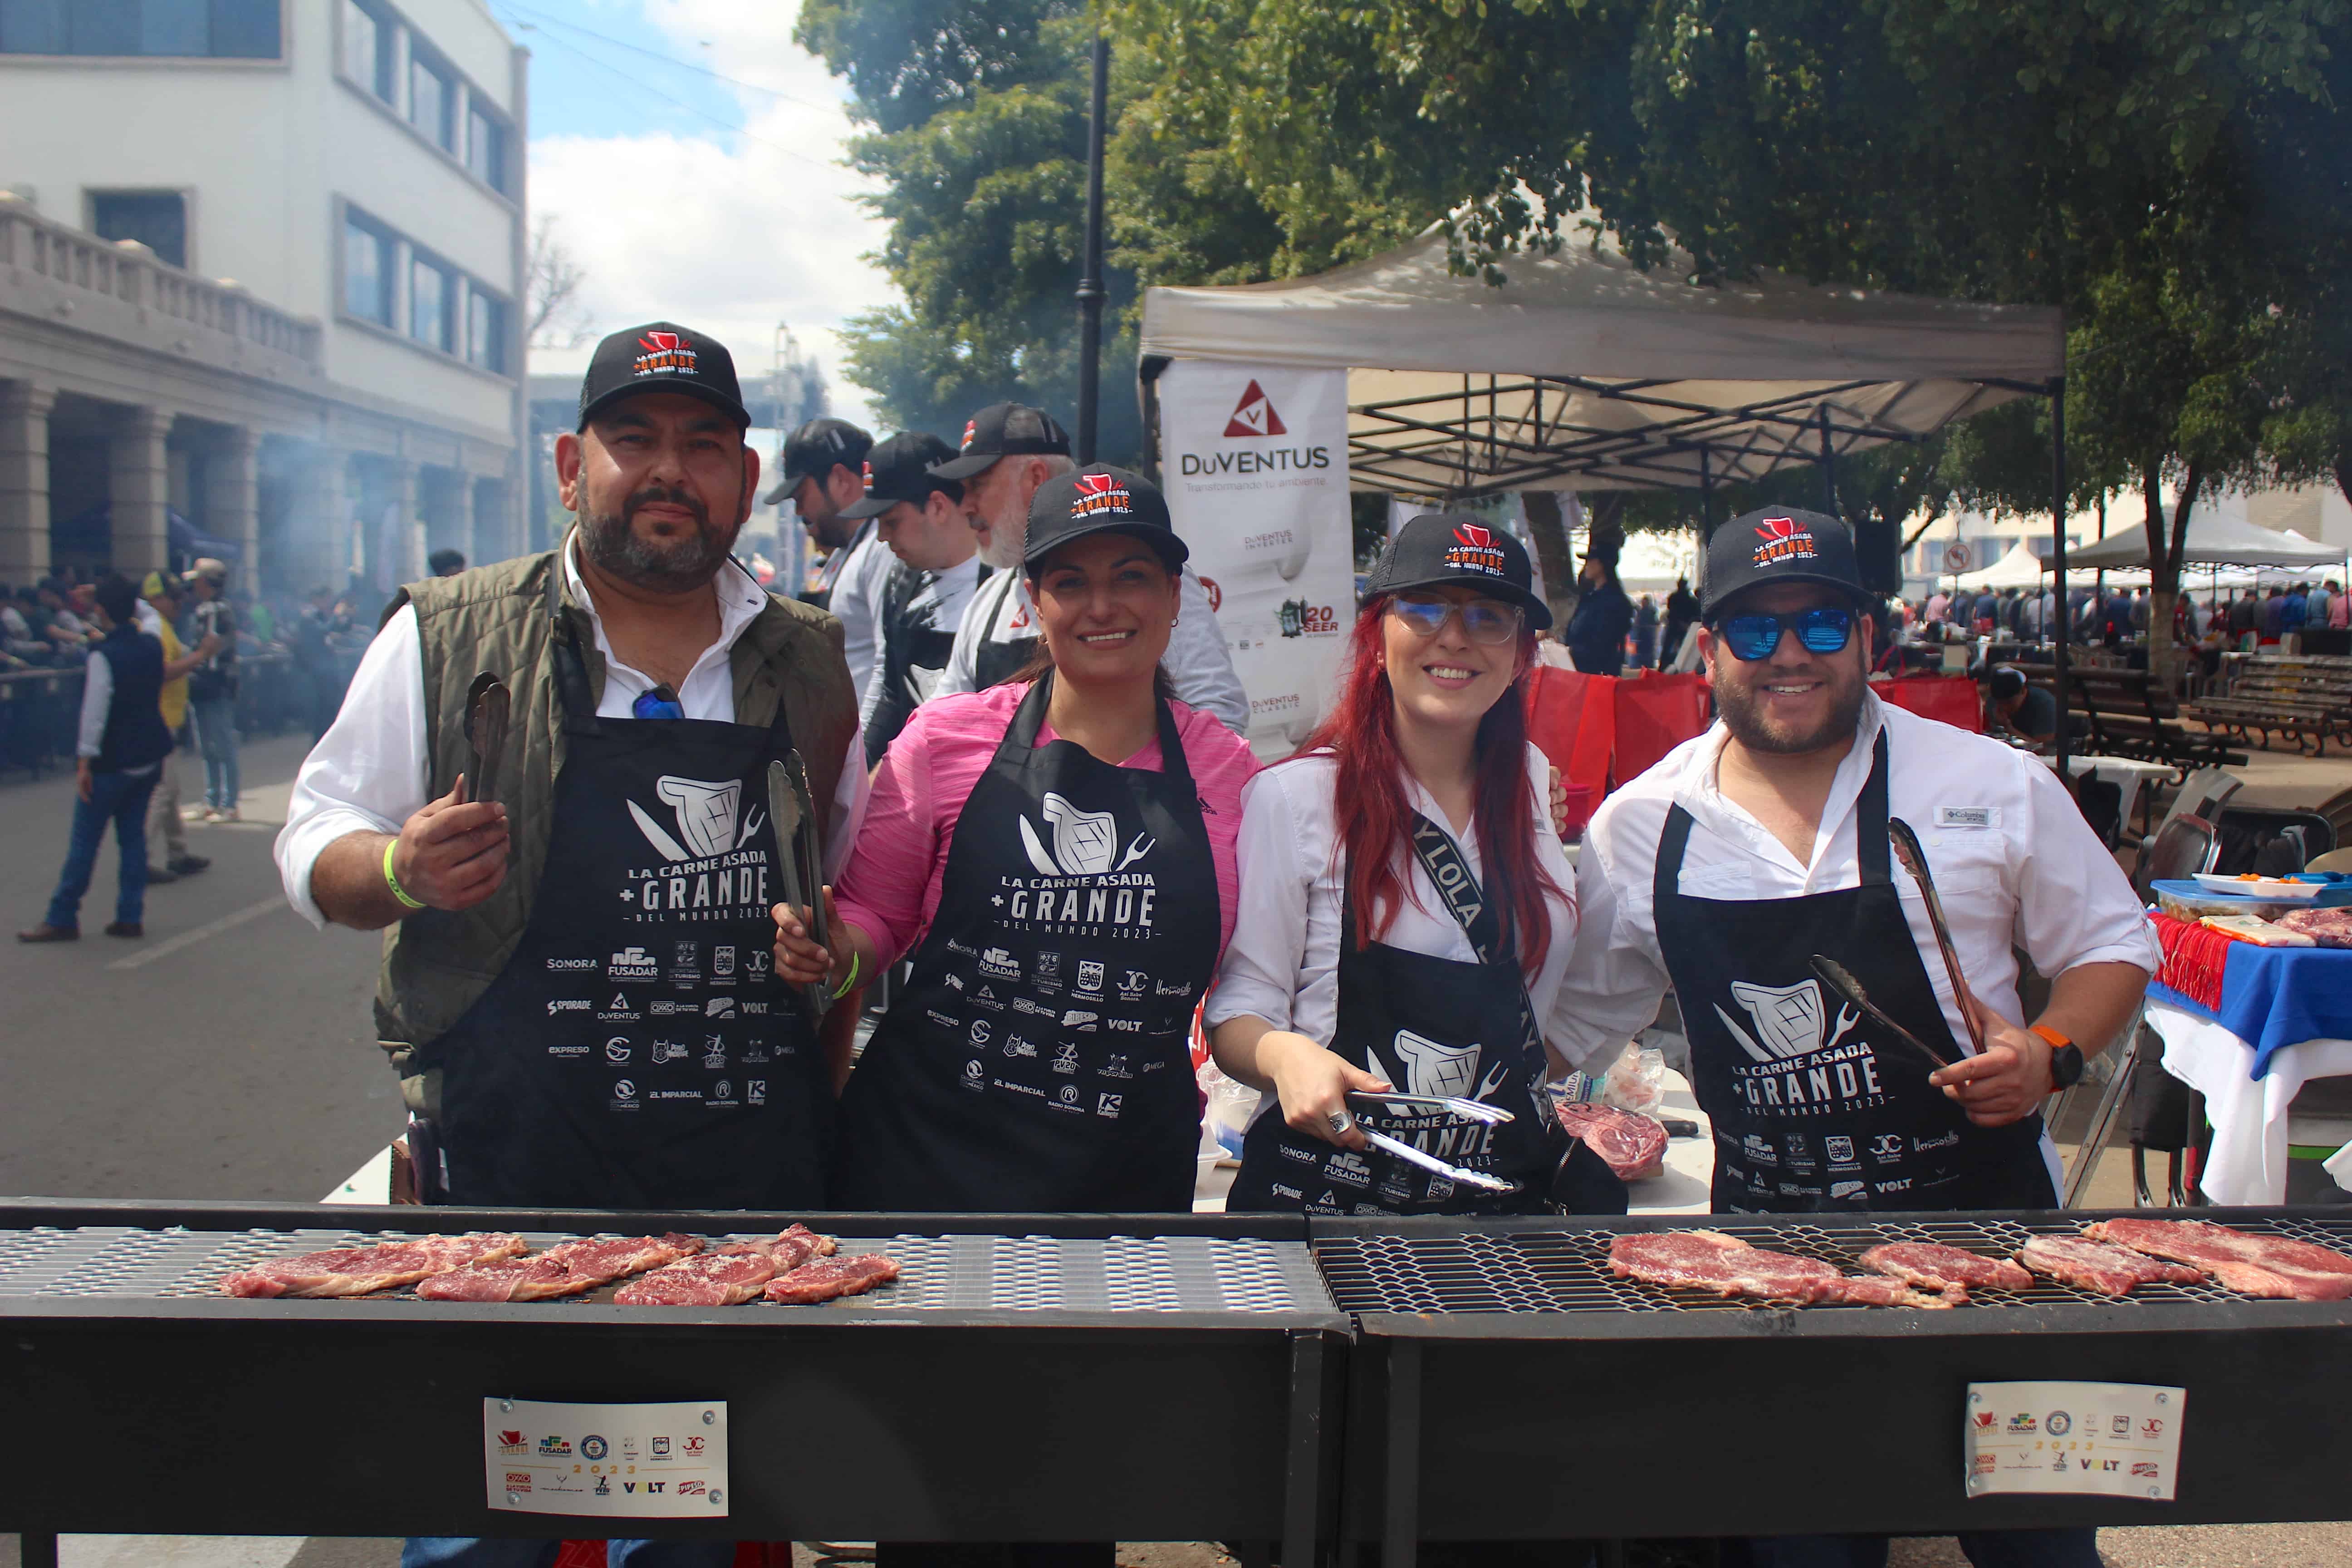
x=1401 y=1528
x=37 y=1550
x=1302 y=1488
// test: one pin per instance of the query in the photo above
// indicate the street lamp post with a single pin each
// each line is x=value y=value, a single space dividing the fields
x=1090 y=285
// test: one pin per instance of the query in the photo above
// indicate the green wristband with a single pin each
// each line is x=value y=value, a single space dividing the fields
x=850 y=979
x=394 y=882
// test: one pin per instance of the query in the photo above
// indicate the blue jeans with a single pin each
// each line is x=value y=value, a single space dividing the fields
x=122 y=799
x=1986 y=1549
x=215 y=720
x=466 y=1552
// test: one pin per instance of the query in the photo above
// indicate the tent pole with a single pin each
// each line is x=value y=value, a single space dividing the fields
x=1829 y=466
x=1090 y=286
x=1706 y=497
x=2058 y=563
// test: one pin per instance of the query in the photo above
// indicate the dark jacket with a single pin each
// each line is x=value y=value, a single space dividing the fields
x=1596 y=633
x=134 y=736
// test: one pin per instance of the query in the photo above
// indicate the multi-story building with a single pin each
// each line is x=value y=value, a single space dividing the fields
x=262 y=279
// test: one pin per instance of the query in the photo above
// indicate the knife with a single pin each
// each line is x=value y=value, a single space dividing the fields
x=1467 y=1109
x=488 y=707
x=1841 y=981
x=784 y=818
x=1914 y=860
x=1427 y=1162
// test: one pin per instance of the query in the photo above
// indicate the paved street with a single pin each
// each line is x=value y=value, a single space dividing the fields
x=228 y=1055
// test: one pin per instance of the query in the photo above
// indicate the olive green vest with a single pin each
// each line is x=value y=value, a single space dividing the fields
x=437 y=965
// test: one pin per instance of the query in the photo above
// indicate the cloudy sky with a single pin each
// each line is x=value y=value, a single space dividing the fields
x=691 y=157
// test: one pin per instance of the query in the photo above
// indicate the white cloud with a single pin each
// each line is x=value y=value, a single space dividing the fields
x=730 y=241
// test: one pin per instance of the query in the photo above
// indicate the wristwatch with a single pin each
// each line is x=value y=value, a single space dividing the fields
x=2065 y=1058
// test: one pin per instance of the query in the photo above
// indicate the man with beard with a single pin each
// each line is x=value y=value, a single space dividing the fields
x=620 y=871
x=1727 y=868
x=823 y=475
x=1009 y=452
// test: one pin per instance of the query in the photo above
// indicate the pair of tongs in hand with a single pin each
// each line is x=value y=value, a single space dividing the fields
x=792 y=814
x=1465 y=1110
x=1914 y=861
x=489 y=707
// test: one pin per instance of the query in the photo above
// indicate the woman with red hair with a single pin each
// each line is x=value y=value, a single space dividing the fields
x=1405 y=916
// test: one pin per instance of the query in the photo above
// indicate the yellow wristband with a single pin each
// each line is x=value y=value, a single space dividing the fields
x=850 y=979
x=394 y=882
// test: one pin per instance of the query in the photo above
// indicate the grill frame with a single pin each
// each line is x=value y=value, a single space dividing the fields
x=1750 y=1419
x=967 y=1422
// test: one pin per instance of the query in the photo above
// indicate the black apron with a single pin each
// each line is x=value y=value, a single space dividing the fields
x=1039 y=1061
x=636 y=1051
x=907 y=647
x=1810 y=1112
x=1428 y=1026
x=993 y=662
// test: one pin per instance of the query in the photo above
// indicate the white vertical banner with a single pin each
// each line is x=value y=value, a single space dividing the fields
x=1254 y=461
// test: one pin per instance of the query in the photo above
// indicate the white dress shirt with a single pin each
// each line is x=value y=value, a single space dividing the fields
x=937 y=605
x=2014 y=863
x=1283 y=963
x=1199 y=664
x=368 y=772
x=855 y=601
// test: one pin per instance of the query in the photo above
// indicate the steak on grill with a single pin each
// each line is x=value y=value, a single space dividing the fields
x=2277 y=1267
x=568 y=1269
x=360 y=1271
x=1632 y=1145
x=829 y=1278
x=2095 y=1265
x=728 y=1277
x=1708 y=1260
x=1946 y=1268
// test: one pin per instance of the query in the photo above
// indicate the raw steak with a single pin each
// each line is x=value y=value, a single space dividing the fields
x=2095 y=1265
x=728 y=1277
x=1706 y=1260
x=569 y=1269
x=829 y=1278
x=1945 y=1268
x=1632 y=1145
x=2274 y=1265
x=2328 y=928
x=359 y=1270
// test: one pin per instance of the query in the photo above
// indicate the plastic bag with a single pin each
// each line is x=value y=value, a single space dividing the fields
x=1230 y=1107
x=1636 y=1081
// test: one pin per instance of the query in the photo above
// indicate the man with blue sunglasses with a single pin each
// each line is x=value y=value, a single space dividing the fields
x=1727 y=867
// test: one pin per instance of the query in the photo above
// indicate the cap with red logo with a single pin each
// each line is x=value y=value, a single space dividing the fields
x=661 y=356
x=899 y=470
x=1448 y=549
x=1005 y=430
x=1776 y=544
x=1100 y=499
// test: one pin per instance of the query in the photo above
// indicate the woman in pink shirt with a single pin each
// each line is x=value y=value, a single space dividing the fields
x=1057 y=853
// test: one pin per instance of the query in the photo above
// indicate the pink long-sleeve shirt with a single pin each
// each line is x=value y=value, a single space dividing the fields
x=891 y=887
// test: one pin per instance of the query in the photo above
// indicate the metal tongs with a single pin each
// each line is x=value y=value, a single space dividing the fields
x=798 y=862
x=1841 y=981
x=1467 y=1109
x=490 y=706
x=1914 y=862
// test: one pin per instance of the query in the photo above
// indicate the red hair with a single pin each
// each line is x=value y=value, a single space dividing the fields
x=1368 y=799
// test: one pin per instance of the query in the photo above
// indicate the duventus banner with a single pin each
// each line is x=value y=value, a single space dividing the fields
x=1253 y=459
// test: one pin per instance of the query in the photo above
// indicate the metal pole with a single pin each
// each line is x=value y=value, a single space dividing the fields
x=1828 y=467
x=2058 y=560
x=1090 y=287
x=1706 y=497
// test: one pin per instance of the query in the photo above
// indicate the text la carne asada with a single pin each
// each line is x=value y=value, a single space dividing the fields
x=1113 y=899
x=716 y=888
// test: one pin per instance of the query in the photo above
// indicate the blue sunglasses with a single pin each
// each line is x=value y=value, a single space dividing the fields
x=661 y=703
x=1825 y=629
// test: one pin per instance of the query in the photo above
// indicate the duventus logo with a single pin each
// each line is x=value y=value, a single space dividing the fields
x=1254 y=418
x=1254 y=415
x=707 y=872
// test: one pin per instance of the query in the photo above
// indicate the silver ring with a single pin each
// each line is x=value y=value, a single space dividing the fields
x=1341 y=1122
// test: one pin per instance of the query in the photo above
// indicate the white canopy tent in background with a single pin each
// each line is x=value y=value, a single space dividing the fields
x=2215 y=539
x=1582 y=371
x=2022 y=568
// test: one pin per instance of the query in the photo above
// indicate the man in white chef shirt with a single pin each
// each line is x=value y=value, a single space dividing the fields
x=824 y=461
x=1774 y=868
x=1008 y=452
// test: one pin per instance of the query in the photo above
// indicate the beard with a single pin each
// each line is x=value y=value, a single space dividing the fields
x=1742 y=712
x=611 y=540
x=1008 y=533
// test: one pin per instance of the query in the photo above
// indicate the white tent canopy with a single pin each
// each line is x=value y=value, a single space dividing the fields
x=2215 y=539
x=2020 y=568
x=1582 y=371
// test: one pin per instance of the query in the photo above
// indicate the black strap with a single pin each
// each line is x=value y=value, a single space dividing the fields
x=1030 y=717
x=1441 y=858
x=1870 y=849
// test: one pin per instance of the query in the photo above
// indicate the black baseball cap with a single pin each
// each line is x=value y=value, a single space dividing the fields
x=1776 y=544
x=898 y=469
x=661 y=356
x=1005 y=430
x=1440 y=549
x=811 y=452
x=1099 y=499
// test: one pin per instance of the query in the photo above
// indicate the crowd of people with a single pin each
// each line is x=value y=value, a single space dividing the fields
x=2119 y=614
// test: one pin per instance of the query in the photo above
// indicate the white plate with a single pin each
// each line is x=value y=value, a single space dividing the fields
x=2263 y=888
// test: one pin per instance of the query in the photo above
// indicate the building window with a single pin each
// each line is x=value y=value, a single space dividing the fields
x=193 y=29
x=486 y=148
x=367 y=48
x=485 y=331
x=430 y=289
x=156 y=219
x=367 y=271
x=432 y=100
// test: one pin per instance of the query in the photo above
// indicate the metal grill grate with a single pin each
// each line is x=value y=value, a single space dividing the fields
x=1568 y=1271
x=973 y=1272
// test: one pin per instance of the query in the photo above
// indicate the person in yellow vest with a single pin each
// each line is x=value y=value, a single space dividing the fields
x=159 y=608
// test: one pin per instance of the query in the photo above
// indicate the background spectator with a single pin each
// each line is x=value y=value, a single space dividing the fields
x=445 y=563
x=211 y=687
x=1645 y=632
x=163 y=591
